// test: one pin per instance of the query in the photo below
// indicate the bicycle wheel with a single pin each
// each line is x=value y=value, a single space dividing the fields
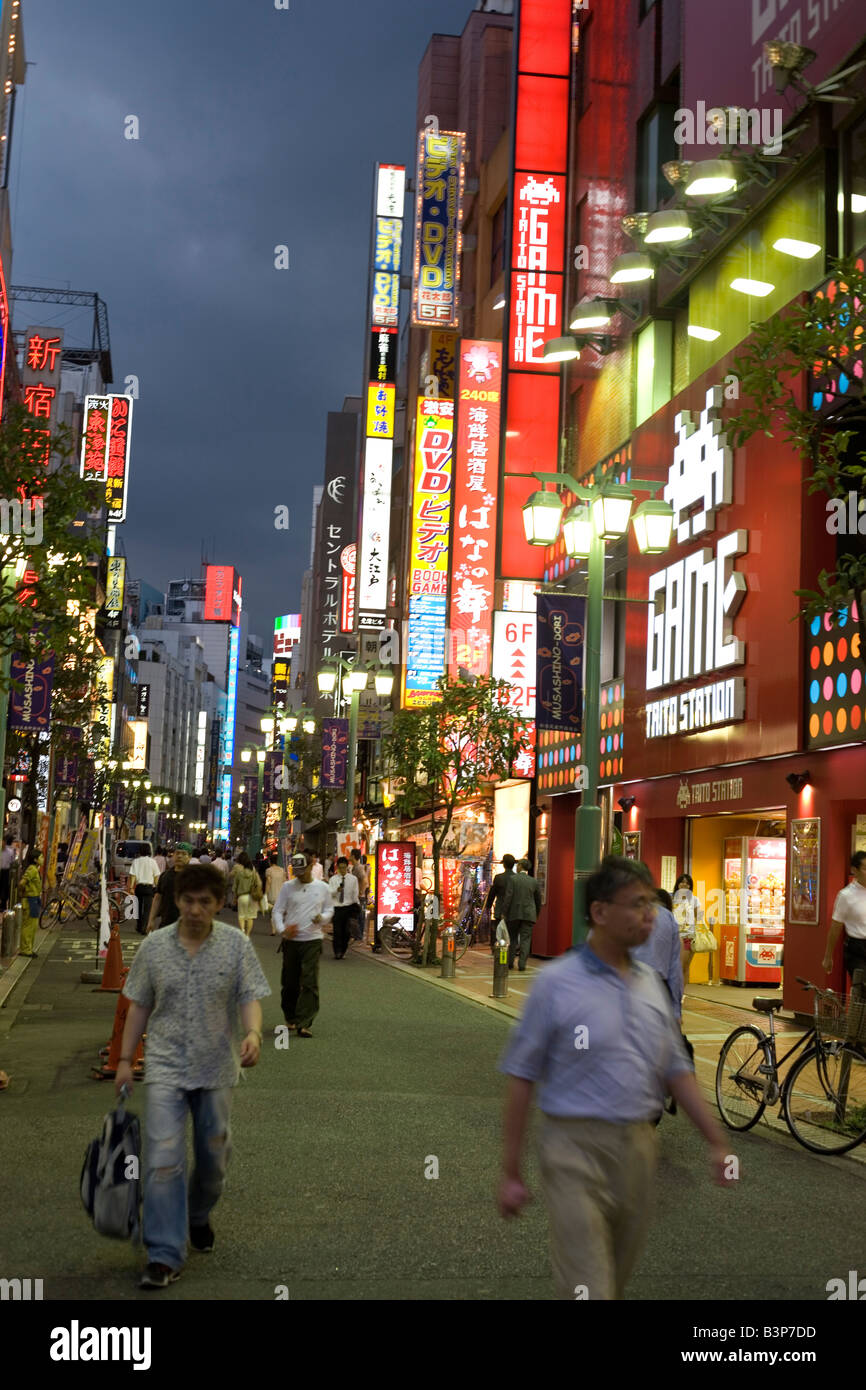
x=462 y=942
x=51 y=915
x=398 y=941
x=825 y=1099
x=739 y=1084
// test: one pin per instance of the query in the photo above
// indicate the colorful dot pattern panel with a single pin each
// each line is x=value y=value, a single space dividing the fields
x=828 y=383
x=616 y=469
x=559 y=754
x=835 y=687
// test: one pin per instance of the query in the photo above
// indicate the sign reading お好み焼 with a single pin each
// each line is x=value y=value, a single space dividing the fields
x=693 y=602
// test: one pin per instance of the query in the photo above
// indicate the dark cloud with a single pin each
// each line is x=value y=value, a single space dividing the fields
x=258 y=127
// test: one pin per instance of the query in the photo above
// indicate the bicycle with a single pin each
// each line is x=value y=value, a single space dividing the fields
x=75 y=900
x=823 y=1096
x=407 y=943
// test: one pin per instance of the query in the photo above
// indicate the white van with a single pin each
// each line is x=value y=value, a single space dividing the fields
x=126 y=851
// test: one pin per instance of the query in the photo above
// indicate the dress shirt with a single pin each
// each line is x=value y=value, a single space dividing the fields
x=349 y=894
x=299 y=903
x=661 y=952
x=318 y=873
x=602 y=1046
x=194 y=1032
x=850 y=909
x=145 y=871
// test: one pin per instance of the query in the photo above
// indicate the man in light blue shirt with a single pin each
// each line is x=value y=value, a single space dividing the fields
x=600 y=1040
x=662 y=953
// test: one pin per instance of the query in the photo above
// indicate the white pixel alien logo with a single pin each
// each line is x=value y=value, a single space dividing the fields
x=700 y=479
x=683 y=795
x=481 y=362
x=533 y=192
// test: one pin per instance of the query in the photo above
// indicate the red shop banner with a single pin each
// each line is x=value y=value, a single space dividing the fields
x=395 y=884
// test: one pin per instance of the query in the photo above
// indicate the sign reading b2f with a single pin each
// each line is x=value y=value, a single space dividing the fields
x=514 y=658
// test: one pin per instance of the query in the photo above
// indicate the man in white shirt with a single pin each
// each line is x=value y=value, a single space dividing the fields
x=302 y=908
x=344 y=891
x=143 y=875
x=221 y=864
x=849 y=915
x=316 y=870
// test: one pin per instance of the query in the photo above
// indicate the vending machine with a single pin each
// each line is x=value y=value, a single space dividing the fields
x=753 y=932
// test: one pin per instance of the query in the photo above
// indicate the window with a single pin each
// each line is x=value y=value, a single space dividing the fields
x=655 y=146
x=497 y=243
x=653 y=359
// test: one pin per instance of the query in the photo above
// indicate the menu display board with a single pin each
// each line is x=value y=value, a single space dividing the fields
x=805 y=872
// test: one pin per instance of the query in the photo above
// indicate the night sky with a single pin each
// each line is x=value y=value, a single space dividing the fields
x=258 y=127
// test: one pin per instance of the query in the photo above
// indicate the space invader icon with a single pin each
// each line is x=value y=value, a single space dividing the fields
x=545 y=192
x=700 y=479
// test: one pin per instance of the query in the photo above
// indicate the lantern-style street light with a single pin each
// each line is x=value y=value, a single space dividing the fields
x=602 y=513
x=355 y=679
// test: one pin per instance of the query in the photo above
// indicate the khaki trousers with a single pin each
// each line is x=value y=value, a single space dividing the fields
x=598 y=1183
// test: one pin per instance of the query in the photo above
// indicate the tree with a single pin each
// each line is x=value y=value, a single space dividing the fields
x=311 y=800
x=805 y=352
x=449 y=751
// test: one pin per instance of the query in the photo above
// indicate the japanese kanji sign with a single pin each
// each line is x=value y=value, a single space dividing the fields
x=380 y=410
x=114 y=590
x=219 y=586
x=538 y=202
x=40 y=374
x=117 y=471
x=94 y=437
x=436 y=269
x=476 y=489
x=335 y=531
x=395 y=884
x=335 y=749
x=429 y=551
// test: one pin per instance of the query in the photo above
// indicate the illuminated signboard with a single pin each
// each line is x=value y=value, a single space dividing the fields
x=280 y=680
x=380 y=410
x=514 y=659
x=476 y=488
x=378 y=449
x=219 y=589
x=117 y=470
x=138 y=758
x=94 y=438
x=114 y=590
x=347 y=608
x=395 y=884
x=538 y=198
x=429 y=551
x=40 y=374
x=229 y=732
x=438 y=207
x=287 y=631
x=442 y=361
x=200 y=752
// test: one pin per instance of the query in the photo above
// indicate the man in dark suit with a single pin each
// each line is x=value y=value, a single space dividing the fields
x=493 y=901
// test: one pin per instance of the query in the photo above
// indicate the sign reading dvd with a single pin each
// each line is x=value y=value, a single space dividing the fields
x=436 y=271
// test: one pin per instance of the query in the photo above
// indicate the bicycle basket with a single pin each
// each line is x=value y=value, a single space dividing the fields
x=842 y=1017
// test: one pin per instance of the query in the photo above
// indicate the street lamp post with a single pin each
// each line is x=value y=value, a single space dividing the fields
x=254 y=843
x=355 y=680
x=602 y=513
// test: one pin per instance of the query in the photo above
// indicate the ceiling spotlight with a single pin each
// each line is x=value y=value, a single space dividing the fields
x=787 y=61
x=791 y=246
x=631 y=268
x=668 y=227
x=711 y=178
x=759 y=289
x=706 y=335
x=798 y=780
x=598 y=312
x=561 y=350
x=500 y=303
x=676 y=171
x=635 y=224
x=625 y=803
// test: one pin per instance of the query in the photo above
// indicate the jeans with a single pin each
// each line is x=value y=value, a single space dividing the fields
x=168 y=1209
x=300 y=981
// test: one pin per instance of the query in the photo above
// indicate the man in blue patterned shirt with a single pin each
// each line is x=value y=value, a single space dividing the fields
x=599 y=1038
x=194 y=988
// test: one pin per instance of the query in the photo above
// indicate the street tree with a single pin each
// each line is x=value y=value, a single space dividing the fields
x=801 y=378
x=445 y=753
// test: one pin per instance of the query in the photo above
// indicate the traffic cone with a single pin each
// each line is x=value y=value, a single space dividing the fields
x=109 y=1067
x=112 y=975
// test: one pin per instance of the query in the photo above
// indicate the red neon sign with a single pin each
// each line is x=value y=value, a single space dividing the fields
x=536 y=280
x=219 y=587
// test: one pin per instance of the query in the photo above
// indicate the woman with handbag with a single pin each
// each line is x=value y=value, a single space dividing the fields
x=248 y=887
x=688 y=913
x=30 y=889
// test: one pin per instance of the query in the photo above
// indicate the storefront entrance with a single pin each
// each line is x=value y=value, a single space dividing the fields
x=739 y=867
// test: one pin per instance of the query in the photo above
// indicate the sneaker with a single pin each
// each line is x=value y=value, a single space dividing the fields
x=158 y=1277
x=201 y=1238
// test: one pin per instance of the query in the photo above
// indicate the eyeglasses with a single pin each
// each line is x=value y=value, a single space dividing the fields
x=642 y=904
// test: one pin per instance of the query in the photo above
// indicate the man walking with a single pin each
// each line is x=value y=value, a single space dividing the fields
x=302 y=908
x=520 y=904
x=362 y=874
x=493 y=901
x=163 y=909
x=194 y=988
x=599 y=1037
x=344 y=891
x=143 y=877
x=849 y=917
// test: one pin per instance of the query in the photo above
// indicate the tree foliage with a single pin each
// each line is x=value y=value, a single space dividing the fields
x=806 y=348
x=448 y=752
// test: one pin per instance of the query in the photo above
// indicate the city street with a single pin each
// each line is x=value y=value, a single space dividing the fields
x=327 y=1194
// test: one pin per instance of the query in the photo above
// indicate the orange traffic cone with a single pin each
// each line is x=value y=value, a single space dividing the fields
x=109 y=1067
x=113 y=973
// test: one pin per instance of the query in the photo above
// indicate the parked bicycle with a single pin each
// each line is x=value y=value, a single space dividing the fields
x=80 y=900
x=823 y=1096
x=407 y=943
